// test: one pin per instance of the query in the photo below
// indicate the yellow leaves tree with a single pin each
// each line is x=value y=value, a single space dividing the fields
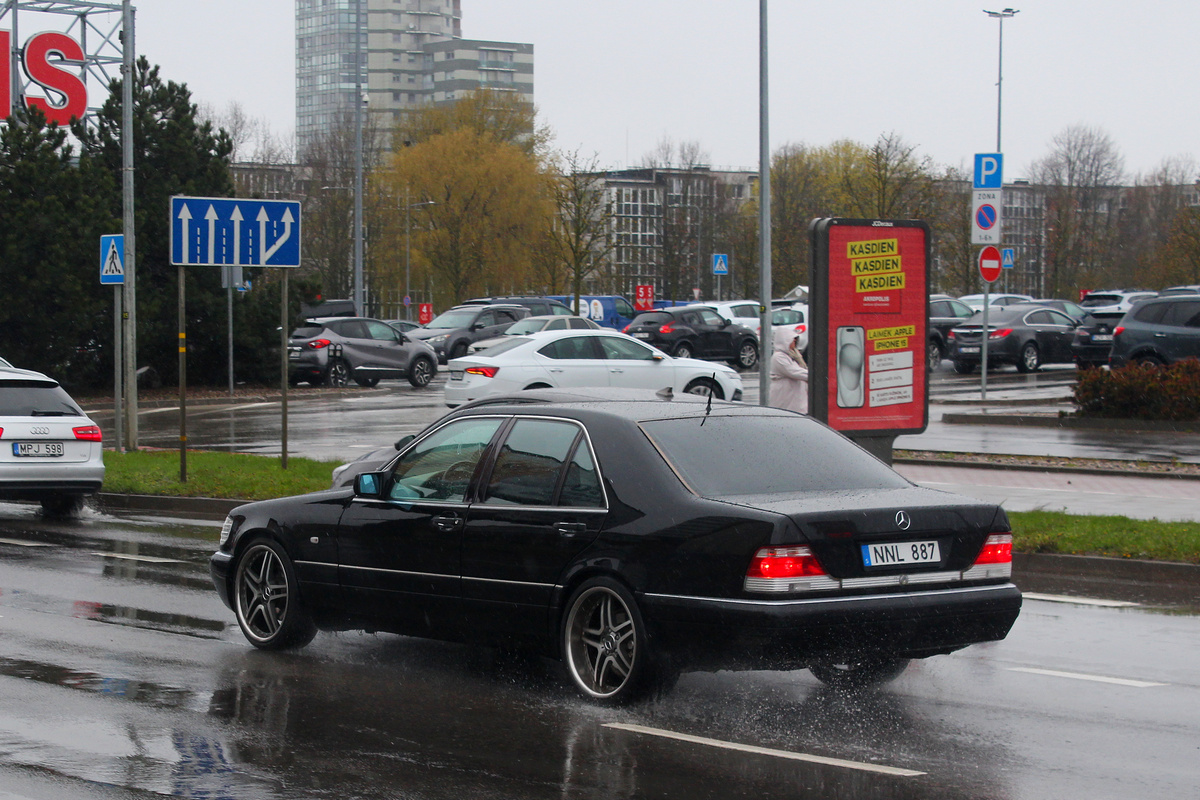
x=487 y=207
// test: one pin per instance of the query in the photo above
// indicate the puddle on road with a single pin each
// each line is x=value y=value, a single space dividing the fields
x=146 y=619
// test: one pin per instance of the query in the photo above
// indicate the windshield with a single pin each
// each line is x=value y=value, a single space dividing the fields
x=778 y=454
x=454 y=318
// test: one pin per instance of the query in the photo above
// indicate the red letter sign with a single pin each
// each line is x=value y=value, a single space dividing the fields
x=40 y=49
x=5 y=77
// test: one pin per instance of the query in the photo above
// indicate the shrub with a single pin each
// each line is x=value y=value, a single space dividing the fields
x=1141 y=391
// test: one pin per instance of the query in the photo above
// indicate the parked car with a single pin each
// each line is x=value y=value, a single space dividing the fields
x=538 y=306
x=608 y=310
x=696 y=331
x=583 y=358
x=1114 y=300
x=550 y=322
x=1093 y=339
x=336 y=350
x=1158 y=331
x=52 y=452
x=613 y=535
x=945 y=314
x=1072 y=310
x=402 y=325
x=975 y=301
x=1191 y=288
x=1027 y=335
x=452 y=332
x=745 y=313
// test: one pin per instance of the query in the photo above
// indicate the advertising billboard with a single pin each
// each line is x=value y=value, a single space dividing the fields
x=870 y=316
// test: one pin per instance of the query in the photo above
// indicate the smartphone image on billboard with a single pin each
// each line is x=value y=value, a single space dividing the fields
x=851 y=366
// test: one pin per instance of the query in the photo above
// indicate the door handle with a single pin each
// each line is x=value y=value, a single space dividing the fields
x=448 y=524
x=1160 y=336
x=570 y=528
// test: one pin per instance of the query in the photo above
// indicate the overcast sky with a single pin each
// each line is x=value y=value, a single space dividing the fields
x=615 y=78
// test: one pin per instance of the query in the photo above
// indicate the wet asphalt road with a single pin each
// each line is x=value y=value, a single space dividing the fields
x=123 y=676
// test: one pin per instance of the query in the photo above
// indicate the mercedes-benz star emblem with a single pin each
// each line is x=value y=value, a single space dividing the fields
x=903 y=522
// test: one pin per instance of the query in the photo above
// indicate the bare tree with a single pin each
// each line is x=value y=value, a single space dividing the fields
x=686 y=208
x=1081 y=176
x=579 y=235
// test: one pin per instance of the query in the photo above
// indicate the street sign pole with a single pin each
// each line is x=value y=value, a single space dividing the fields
x=989 y=270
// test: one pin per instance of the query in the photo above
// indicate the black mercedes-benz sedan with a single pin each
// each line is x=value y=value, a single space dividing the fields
x=620 y=536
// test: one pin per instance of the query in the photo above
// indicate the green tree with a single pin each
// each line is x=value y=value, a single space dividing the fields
x=176 y=153
x=57 y=318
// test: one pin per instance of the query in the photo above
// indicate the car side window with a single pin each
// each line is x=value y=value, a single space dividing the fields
x=1058 y=318
x=570 y=347
x=381 y=331
x=487 y=319
x=530 y=463
x=351 y=329
x=939 y=308
x=1179 y=314
x=712 y=318
x=1152 y=313
x=441 y=465
x=577 y=323
x=616 y=348
x=1039 y=318
x=556 y=325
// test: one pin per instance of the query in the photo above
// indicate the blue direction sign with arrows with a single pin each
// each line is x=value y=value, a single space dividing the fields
x=223 y=231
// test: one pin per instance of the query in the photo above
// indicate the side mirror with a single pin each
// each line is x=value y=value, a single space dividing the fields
x=368 y=484
x=403 y=440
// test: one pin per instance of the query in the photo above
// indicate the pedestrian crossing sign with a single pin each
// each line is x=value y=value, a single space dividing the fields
x=112 y=259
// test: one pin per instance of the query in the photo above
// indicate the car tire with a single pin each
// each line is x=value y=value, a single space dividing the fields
x=933 y=356
x=705 y=387
x=367 y=383
x=964 y=367
x=338 y=374
x=458 y=351
x=1030 y=360
x=266 y=598
x=64 y=506
x=604 y=643
x=420 y=373
x=747 y=356
x=1148 y=360
x=683 y=350
x=859 y=674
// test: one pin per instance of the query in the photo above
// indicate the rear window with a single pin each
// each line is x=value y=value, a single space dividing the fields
x=652 y=318
x=784 y=455
x=307 y=331
x=1093 y=300
x=36 y=399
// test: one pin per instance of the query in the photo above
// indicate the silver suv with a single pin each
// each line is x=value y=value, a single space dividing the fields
x=52 y=452
x=334 y=350
x=1114 y=301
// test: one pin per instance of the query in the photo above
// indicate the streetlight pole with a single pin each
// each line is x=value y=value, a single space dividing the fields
x=1000 y=16
x=359 y=298
x=408 y=207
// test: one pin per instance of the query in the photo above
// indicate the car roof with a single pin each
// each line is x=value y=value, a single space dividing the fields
x=16 y=374
x=632 y=404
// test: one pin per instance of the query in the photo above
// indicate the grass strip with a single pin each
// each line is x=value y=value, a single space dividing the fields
x=1111 y=536
x=253 y=477
x=236 y=476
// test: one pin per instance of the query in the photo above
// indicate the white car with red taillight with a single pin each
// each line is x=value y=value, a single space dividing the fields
x=50 y=450
x=580 y=359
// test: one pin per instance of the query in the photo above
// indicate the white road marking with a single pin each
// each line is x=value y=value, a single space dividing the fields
x=25 y=543
x=1083 y=601
x=1079 y=676
x=766 y=751
x=147 y=559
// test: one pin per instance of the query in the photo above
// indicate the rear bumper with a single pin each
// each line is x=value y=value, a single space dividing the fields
x=787 y=634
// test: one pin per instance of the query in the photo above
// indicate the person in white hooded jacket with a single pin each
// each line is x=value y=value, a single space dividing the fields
x=789 y=373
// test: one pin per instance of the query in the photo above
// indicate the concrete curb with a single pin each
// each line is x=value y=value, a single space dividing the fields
x=205 y=507
x=1117 y=473
x=1151 y=426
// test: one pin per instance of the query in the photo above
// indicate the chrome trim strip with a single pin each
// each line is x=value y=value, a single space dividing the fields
x=510 y=583
x=395 y=571
x=828 y=600
x=825 y=582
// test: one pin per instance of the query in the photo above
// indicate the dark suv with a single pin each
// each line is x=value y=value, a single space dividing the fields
x=334 y=350
x=452 y=332
x=538 y=306
x=945 y=314
x=696 y=332
x=1158 y=331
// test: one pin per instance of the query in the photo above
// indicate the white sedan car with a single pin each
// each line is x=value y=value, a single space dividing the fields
x=583 y=358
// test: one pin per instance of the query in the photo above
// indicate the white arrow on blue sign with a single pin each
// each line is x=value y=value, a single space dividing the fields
x=112 y=259
x=222 y=231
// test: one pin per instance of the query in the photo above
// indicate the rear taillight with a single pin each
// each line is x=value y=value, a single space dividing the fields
x=1 y=433
x=1117 y=331
x=951 y=335
x=626 y=328
x=1000 y=334
x=784 y=562
x=487 y=372
x=317 y=344
x=668 y=328
x=997 y=549
x=88 y=433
